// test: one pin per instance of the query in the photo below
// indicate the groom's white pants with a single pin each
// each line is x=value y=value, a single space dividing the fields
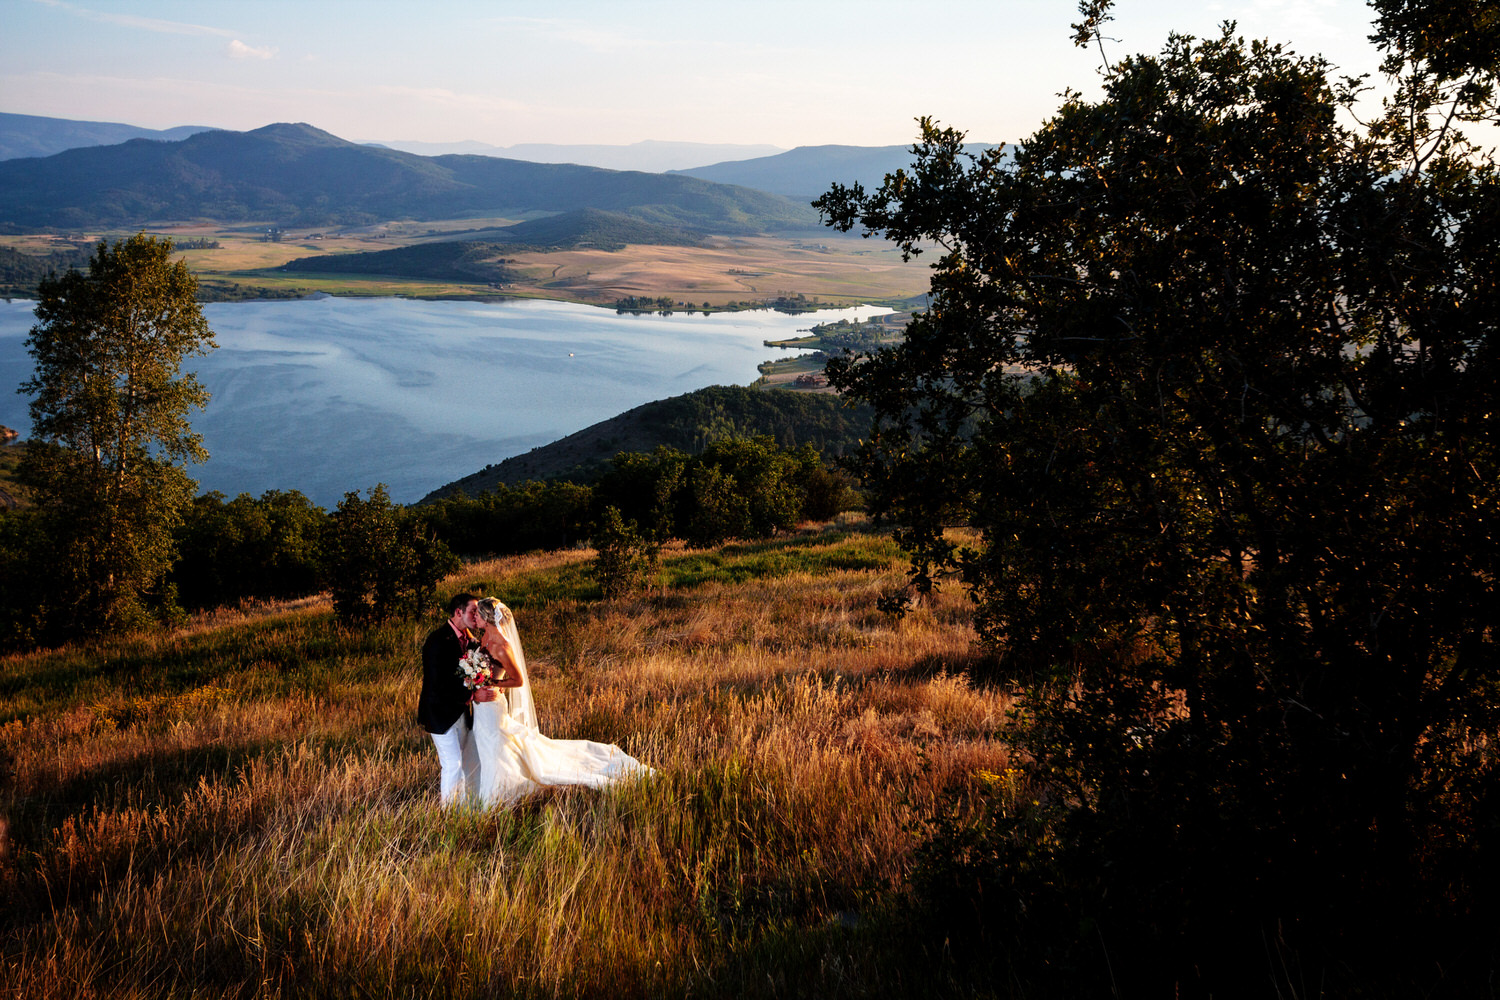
x=459 y=758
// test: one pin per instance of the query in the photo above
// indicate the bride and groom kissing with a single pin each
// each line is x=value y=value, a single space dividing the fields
x=476 y=704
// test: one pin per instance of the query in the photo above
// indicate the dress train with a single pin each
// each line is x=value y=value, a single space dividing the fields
x=515 y=758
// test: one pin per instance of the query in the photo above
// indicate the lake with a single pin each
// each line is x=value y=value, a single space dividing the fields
x=328 y=395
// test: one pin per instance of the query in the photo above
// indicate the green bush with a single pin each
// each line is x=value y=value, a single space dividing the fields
x=626 y=559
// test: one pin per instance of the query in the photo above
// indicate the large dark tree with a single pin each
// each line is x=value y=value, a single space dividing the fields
x=110 y=431
x=1212 y=371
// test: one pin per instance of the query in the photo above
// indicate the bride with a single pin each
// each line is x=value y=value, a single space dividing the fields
x=514 y=757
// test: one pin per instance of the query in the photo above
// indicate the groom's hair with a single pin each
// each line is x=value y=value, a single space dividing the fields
x=459 y=601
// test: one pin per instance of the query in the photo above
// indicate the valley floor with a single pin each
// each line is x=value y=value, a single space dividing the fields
x=726 y=272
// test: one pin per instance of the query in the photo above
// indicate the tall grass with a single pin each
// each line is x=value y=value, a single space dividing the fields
x=247 y=809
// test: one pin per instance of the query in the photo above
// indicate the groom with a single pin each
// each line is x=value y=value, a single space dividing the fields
x=443 y=707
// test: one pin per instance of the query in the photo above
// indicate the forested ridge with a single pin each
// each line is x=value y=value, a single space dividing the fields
x=688 y=423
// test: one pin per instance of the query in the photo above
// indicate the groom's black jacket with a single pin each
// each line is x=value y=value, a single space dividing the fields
x=444 y=696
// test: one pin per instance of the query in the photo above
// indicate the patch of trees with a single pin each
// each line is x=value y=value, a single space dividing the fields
x=663 y=305
x=735 y=488
x=846 y=336
x=382 y=560
x=219 y=290
x=282 y=546
x=21 y=273
x=1237 y=528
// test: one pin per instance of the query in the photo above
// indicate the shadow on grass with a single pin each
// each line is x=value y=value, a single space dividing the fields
x=70 y=841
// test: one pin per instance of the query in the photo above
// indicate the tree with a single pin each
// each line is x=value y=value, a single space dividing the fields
x=1214 y=378
x=110 y=431
x=382 y=561
x=626 y=559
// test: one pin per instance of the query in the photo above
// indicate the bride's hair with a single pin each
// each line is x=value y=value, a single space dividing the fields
x=492 y=611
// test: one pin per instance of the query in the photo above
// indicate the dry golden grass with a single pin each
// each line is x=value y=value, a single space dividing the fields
x=727 y=270
x=836 y=271
x=246 y=809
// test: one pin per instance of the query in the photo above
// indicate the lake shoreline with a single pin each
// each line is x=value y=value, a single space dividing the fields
x=332 y=394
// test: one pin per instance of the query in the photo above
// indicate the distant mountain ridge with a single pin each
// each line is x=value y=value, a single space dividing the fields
x=806 y=172
x=37 y=135
x=295 y=174
x=652 y=155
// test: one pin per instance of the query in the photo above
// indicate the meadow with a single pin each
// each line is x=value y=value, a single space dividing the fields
x=246 y=808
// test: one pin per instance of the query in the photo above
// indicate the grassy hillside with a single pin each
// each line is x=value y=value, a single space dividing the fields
x=594 y=228
x=246 y=808
x=688 y=423
x=459 y=260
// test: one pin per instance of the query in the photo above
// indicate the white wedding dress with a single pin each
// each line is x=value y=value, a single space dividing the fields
x=515 y=759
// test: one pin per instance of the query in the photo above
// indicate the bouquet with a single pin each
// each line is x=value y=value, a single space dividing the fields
x=479 y=670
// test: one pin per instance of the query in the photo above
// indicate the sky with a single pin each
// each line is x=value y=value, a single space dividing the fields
x=810 y=72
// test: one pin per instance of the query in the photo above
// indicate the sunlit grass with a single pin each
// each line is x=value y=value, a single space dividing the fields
x=246 y=808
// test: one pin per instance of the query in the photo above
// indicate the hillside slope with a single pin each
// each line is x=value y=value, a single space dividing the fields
x=477 y=259
x=688 y=423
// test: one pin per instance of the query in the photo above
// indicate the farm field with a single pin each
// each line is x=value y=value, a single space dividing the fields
x=835 y=270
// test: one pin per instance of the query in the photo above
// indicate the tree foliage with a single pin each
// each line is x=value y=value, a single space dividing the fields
x=110 y=429
x=507 y=519
x=249 y=548
x=736 y=488
x=382 y=562
x=1214 y=377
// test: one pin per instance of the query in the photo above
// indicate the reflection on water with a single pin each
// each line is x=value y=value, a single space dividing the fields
x=328 y=395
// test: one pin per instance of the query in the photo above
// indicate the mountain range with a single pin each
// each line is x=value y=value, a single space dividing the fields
x=295 y=174
x=652 y=156
x=120 y=175
x=35 y=135
x=804 y=173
